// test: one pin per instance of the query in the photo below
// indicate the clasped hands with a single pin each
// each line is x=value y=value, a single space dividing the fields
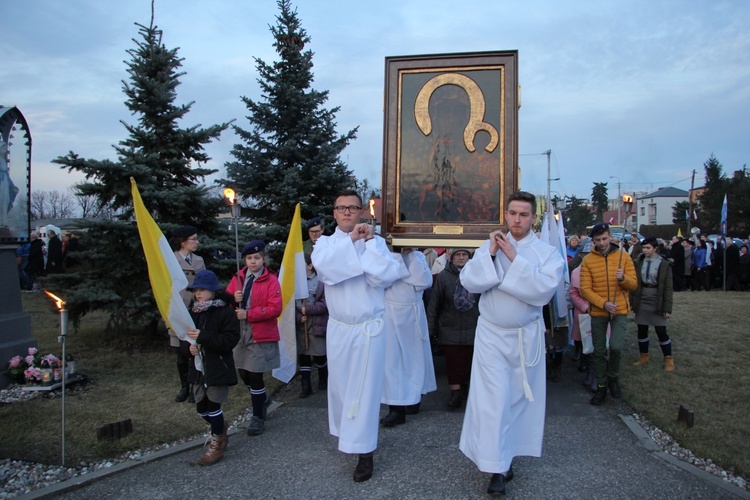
x=499 y=242
x=362 y=230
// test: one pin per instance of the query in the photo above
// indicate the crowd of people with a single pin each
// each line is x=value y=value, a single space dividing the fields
x=48 y=252
x=373 y=316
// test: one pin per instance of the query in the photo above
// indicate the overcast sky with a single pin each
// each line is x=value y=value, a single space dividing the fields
x=641 y=90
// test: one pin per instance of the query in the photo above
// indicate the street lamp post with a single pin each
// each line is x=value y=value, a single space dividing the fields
x=619 y=200
x=627 y=202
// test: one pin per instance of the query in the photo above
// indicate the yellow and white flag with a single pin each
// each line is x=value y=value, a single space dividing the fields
x=164 y=272
x=293 y=280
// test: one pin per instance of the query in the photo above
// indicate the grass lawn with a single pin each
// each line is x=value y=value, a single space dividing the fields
x=711 y=377
x=130 y=378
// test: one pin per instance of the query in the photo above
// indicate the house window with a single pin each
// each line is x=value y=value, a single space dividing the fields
x=643 y=211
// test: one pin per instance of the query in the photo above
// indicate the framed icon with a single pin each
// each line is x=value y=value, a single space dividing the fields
x=451 y=146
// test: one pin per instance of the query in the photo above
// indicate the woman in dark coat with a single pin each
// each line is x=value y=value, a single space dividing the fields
x=312 y=321
x=216 y=332
x=652 y=301
x=54 y=253
x=452 y=315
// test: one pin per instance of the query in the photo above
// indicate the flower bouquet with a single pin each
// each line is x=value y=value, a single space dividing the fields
x=28 y=369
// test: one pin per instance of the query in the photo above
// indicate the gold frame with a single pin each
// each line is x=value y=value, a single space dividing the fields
x=501 y=152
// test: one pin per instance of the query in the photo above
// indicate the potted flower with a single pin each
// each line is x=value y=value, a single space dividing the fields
x=31 y=369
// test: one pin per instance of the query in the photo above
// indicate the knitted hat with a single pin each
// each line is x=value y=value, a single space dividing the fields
x=454 y=250
x=255 y=246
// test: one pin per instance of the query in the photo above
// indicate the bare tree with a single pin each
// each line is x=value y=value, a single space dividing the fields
x=87 y=203
x=39 y=205
x=60 y=205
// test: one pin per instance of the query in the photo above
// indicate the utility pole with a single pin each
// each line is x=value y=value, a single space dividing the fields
x=690 y=203
x=549 y=200
x=619 y=199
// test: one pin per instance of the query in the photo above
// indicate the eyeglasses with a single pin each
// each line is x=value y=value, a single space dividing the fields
x=315 y=231
x=193 y=238
x=342 y=209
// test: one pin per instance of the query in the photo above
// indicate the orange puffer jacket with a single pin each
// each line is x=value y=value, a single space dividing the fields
x=599 y=280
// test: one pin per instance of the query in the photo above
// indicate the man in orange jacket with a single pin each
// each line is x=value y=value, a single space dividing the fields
x=607 y=275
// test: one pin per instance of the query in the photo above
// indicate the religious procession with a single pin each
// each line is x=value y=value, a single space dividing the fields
x=426 y=335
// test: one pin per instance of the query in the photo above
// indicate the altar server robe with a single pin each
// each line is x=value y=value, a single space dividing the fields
x=409 y=371
x=505 y=410
x=356 y=275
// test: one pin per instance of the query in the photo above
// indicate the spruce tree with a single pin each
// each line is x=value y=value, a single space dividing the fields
x=578 y=216
x=599 y=199
x=164 y=159
x=291 y=151
x=713 y=195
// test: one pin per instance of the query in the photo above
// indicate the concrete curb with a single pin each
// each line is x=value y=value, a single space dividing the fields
x=652 y=447
x=77 y=482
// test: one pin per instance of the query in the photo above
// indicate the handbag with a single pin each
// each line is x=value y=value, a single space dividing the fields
x=584 y=323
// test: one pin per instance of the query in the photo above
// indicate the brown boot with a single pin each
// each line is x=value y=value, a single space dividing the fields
x=643 y=359
x=214 y=452
x=669 y=363
x=224 y=438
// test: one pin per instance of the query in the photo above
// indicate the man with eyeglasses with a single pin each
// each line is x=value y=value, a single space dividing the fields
x=356 y=267
x=315 y=231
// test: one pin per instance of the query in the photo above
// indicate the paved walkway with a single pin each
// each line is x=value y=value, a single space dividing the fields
x=589 y=452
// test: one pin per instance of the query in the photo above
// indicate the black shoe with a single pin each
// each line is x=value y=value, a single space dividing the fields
x=266 y=405
x=455 y=399
x=363 y=472
x=497 y=485
x=614 y=388
x=393 y=418
x=255 y=427
x=306 y=388
x=323 y=378
x=600 y=397
x=182 y=395
x=412 y=409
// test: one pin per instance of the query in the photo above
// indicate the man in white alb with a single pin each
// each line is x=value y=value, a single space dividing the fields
x=356 y=267
x=409 y=371
x=516 y=274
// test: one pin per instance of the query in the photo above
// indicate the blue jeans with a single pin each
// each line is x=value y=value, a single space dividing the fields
x=608 y=369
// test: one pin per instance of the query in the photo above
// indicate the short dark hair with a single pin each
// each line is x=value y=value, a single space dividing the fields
x=523 y=196
x=349 y=192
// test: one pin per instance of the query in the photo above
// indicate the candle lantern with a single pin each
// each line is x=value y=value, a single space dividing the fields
x=60 y=303
x=46 y=376
x=235 y=210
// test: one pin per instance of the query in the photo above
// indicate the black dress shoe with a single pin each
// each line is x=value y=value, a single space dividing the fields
x=509 y=474
x=182 y=395
x=455 y=400
x=412 y=409
x=363 y=472
x=497 y=485
x=393 y=418
x=614 y=388
x=600 y=397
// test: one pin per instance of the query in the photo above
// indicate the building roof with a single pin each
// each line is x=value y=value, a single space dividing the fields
x=667 y=192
